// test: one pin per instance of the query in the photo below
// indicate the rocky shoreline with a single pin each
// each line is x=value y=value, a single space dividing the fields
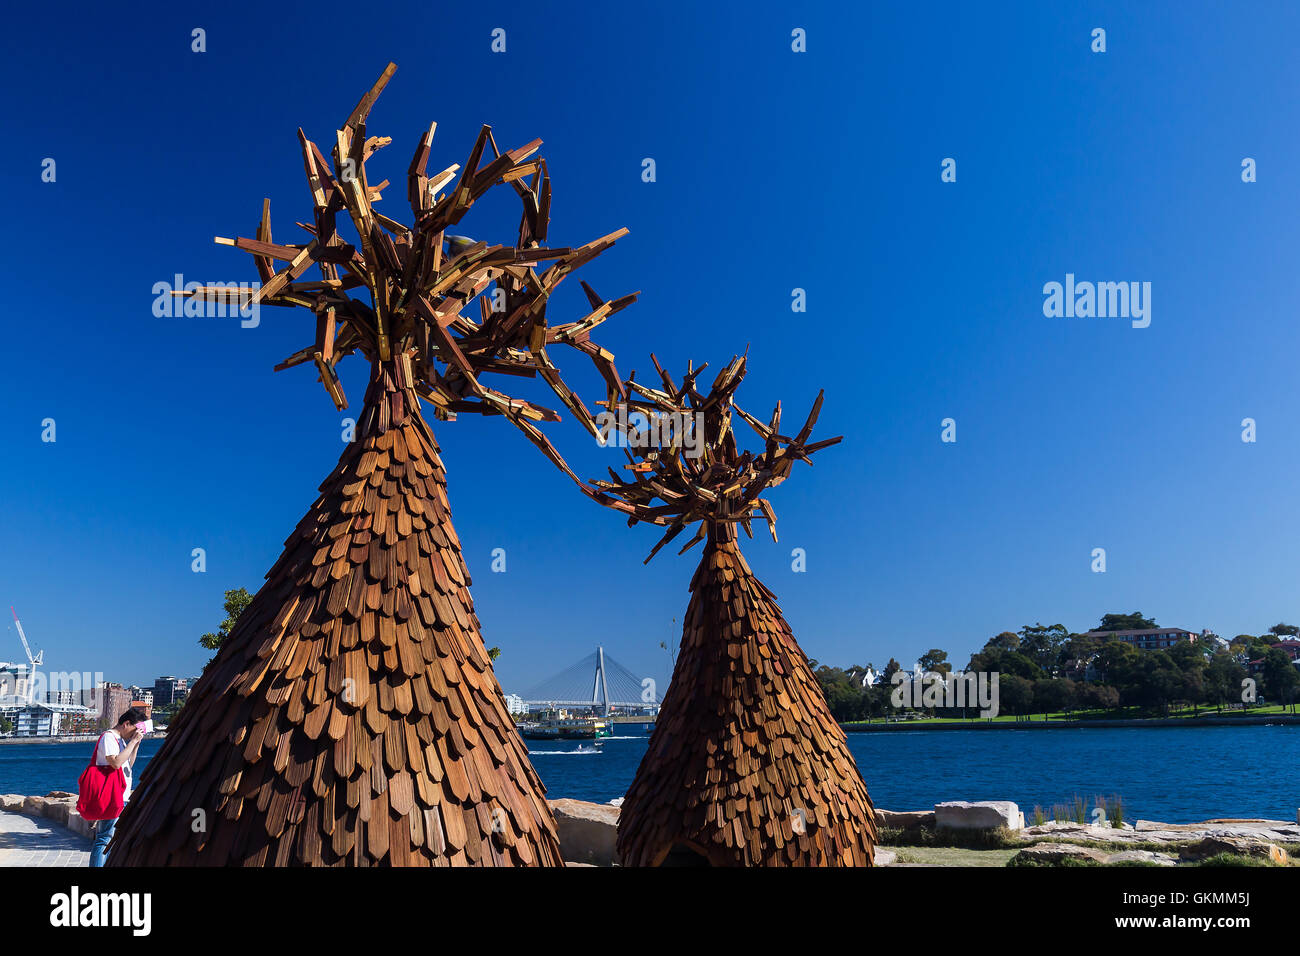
x=588 y=833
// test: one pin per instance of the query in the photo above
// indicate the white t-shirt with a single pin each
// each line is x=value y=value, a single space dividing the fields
x=109 y=744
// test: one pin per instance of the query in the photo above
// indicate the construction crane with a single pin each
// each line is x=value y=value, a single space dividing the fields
x=32 y=662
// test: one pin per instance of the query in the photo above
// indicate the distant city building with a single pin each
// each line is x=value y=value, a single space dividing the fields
x=516 y=704
x=168 y=690
x=146 y=707
x=1154 y=639
x=114 y=701
x=48 y=720
x=62 y=697
x=862 y=676
x=80 y=720
x=143 y=694
x=13 y=683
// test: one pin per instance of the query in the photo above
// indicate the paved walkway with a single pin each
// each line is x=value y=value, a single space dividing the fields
x=28 y=841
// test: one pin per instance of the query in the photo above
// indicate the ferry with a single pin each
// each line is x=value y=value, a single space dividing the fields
x=583 y=728
x=565 y=728
x=539 y=730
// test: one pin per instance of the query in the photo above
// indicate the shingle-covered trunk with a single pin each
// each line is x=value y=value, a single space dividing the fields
x=352 y=717
x=746 y=766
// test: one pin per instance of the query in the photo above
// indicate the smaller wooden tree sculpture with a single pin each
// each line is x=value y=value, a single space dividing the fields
x=746 y=766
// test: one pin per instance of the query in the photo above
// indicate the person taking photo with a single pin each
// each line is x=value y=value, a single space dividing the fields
x=118 y=749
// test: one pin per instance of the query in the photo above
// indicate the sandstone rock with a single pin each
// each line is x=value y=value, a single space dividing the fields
x=57 y=810
x=1142 y=856
x=904 y=819
x=588 y=831
x=885 y=857
x=1056 y=853
x=1148 y=832
x=34 y=806
x=1242 y=846
x=60 y=795
x=978 y=815
x=1255 y=821
x=13 y=802
x=80 y=825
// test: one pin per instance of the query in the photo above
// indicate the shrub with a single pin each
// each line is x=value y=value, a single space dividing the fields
x=1116 y=811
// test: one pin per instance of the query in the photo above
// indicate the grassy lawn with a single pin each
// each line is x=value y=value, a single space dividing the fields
x=1121 y=714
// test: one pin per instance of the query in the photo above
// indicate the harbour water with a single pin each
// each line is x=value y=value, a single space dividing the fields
x=1170 y=774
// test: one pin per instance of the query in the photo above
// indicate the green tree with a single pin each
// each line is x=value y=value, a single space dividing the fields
x=1002 y=655
x=844 y=696
x=1052 y=694
x=1006 y=641
x=1189 y=658
x=935 y=661
x=1126 y=622
x=1284 y=629
x=237 y=602
x=1153 y=682
x=1264 y=642
x=6 y=725
x=1115 y=661
x=1045 y=646
x=1016 y=694
x=1079 y=652
x=1099 y=696
x=1223 y=677
x=1281 y=680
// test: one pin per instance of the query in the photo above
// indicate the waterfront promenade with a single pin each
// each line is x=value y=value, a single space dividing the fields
x=35 y=841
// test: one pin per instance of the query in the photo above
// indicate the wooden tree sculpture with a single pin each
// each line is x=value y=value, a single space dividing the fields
x=352 y=716
x=746 y=766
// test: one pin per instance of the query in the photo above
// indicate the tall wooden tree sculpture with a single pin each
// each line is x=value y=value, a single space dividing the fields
x=746 y=766
x=352 y=716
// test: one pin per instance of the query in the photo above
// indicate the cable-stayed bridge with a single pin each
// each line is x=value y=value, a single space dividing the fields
x=596 y=681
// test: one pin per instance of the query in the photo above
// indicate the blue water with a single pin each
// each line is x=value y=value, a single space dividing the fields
x=1173 y=774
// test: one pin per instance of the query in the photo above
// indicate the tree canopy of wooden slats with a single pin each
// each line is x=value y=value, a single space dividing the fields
x=746 y=765
x=419 y=279
x=352 y=717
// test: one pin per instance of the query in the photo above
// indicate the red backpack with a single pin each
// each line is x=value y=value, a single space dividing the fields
x=101 y=790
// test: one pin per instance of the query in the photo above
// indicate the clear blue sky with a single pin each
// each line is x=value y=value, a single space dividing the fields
x=776 y=170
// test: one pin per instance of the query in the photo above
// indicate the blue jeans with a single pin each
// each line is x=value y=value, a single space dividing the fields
x=99 y=847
